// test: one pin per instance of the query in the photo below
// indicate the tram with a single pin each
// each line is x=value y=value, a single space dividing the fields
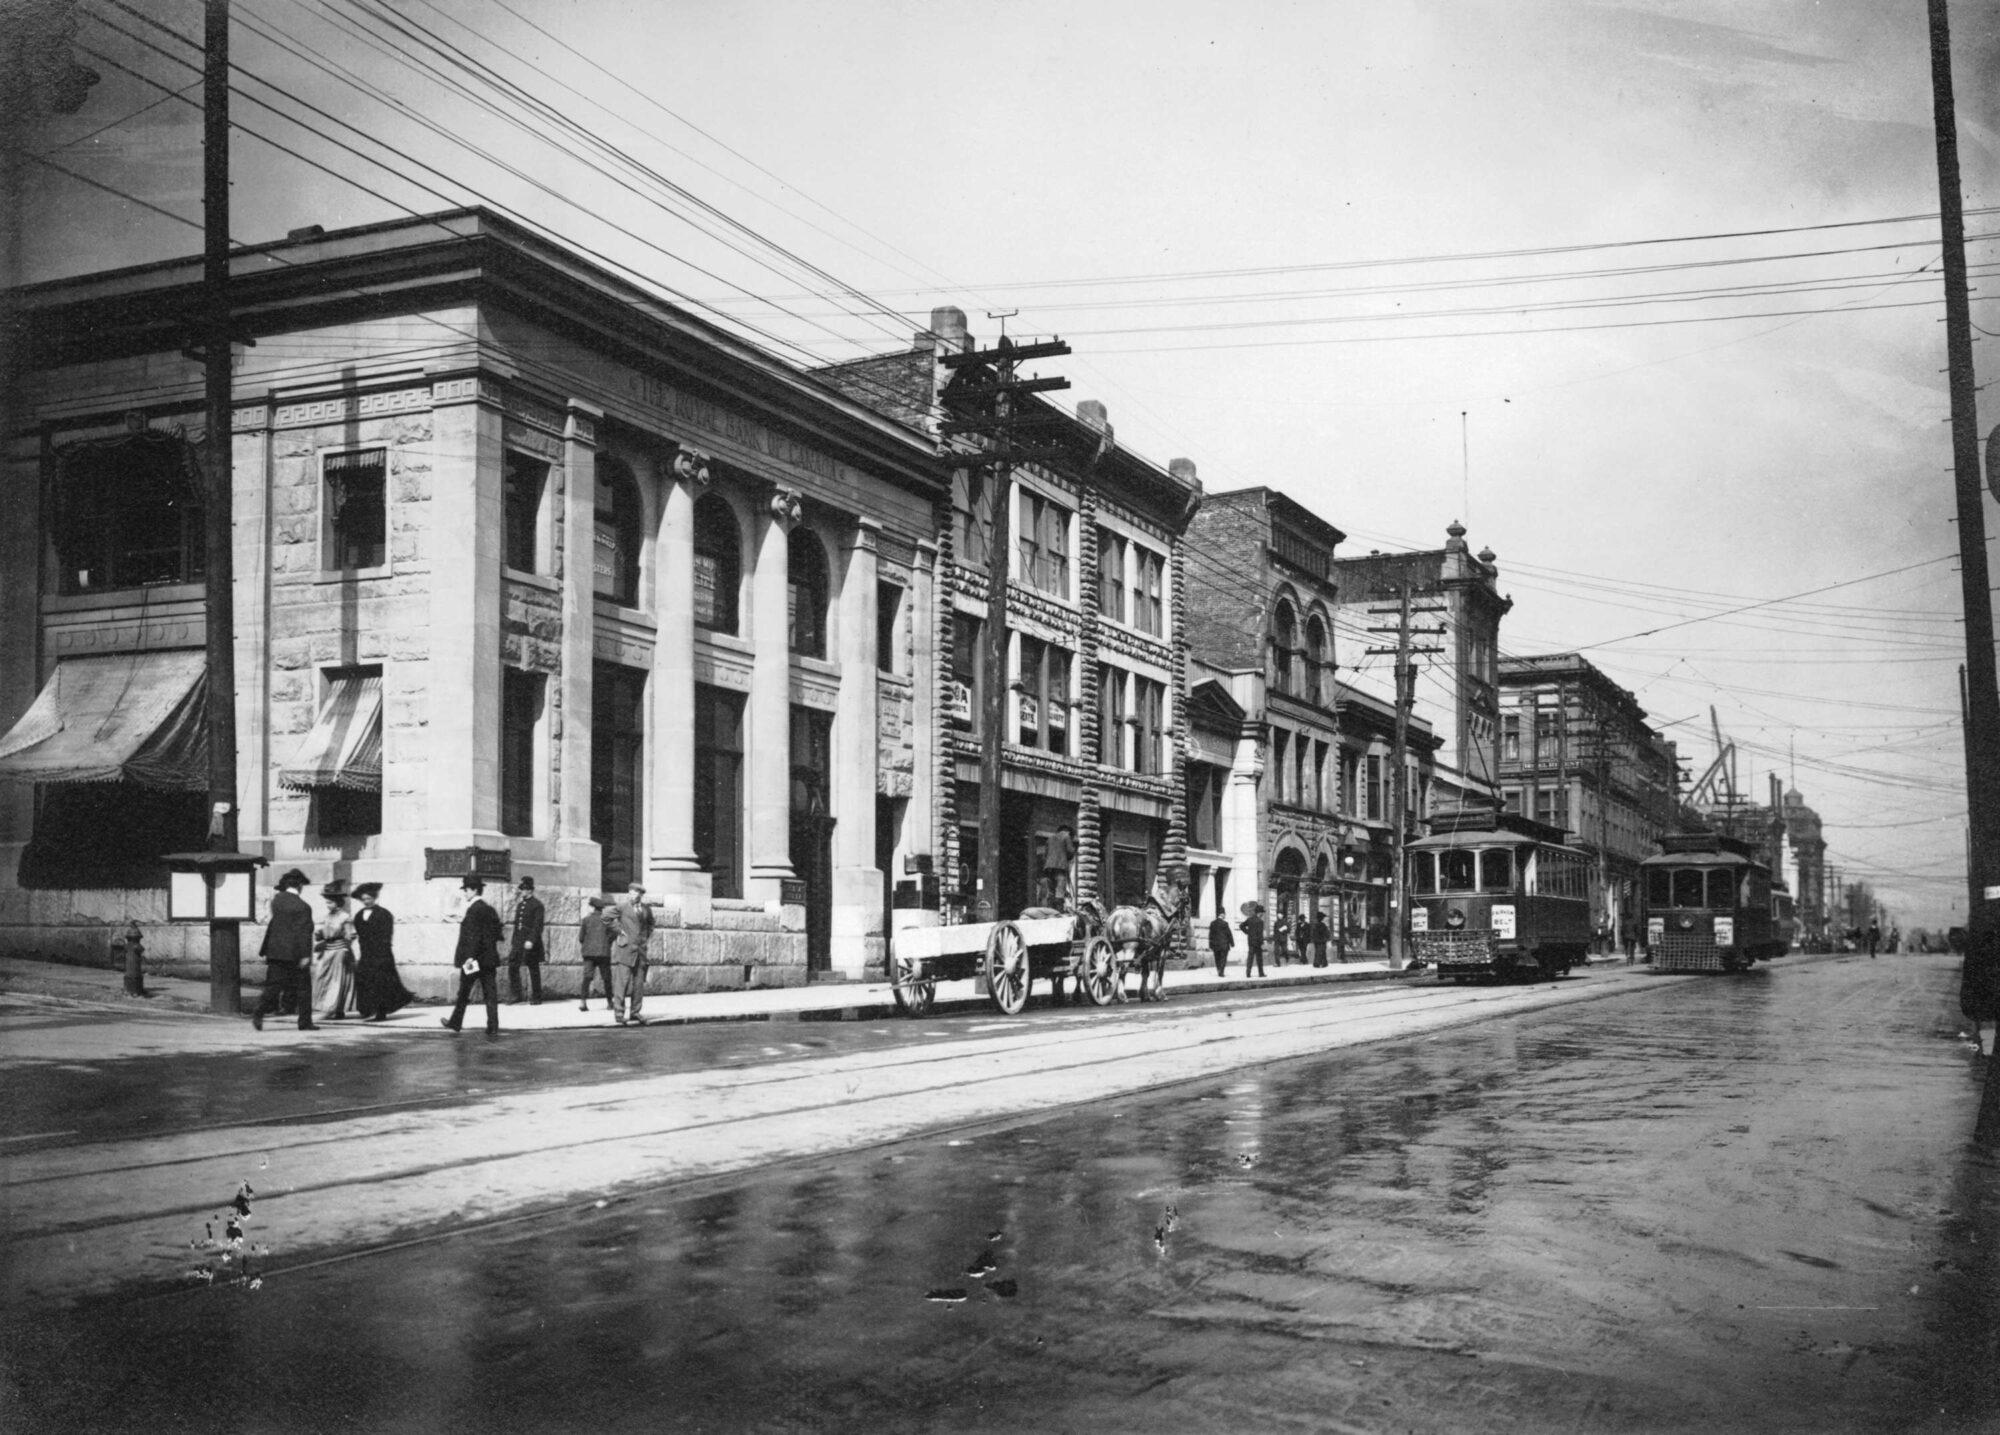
x=1496 y=894
x=1708 y=905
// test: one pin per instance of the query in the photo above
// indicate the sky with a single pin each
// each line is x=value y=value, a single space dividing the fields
x=1646 y=294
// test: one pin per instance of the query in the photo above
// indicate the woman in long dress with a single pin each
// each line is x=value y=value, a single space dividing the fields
x=333 y=954
x=378 y=989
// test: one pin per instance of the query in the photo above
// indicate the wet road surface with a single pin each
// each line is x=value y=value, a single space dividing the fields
x=1720 y=1205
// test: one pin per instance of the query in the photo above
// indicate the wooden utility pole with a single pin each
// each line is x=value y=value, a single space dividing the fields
x=1399 y=788
x=1002 y=424
x=224 y=952
x=1982 y=706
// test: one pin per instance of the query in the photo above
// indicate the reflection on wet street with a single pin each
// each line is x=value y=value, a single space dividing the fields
x=1727 y=1205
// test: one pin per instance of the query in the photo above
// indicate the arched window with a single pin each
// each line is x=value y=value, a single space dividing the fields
x=1315 y=689
x=718 y=563
x=615 y=557
x=1284 y=642
x=805 y=596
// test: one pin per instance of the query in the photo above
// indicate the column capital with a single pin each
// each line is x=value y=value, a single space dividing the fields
x=692 y=467
x=867 y=534
x=582 y=421
x=785 y=506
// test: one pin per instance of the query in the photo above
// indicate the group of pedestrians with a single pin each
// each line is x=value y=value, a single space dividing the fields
x=348 y=957
x=323 y=965
x=1313 y=937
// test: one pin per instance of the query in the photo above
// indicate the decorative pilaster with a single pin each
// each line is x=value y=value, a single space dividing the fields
x=857 y=881
x=569 y=775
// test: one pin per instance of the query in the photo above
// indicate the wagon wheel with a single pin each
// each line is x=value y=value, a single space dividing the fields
x=913 y=988
x=1008 y=968
x=1098 y=974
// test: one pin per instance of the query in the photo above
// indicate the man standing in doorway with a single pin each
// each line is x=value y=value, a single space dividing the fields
x=529 y=918
x=477 y=958
x=634 y=920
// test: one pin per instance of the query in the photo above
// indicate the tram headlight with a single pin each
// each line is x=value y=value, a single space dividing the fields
x=1454 y=920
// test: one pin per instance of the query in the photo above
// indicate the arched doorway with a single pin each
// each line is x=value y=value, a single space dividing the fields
x=1288 y=877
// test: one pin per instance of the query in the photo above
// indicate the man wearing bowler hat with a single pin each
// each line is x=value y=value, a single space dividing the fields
x=477 y=958
x=288 y=952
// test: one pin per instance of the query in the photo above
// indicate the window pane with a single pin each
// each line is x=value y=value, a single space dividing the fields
x=1688 y=887
x=1455 y=871
x=1423 y=873
x=1722 y=888
x=1496 y=870
x=521 y=505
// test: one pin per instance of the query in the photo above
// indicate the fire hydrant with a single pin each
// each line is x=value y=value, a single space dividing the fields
x=133 y=947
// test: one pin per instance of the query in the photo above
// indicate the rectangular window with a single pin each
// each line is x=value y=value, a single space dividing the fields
x=1281 y=767
x=1319 y=798
x=357 y=509
x=127 y=514
x=1044 y=544
x=1550 y=807
x=617 y=771
x=1510 y=738
x=967 y=673
x=1148 y=605
x=1110 y=717
x=1510 y=800
x=521 y=512
x=1205 y=782
x=718 y=788
x=1547 y=731
x=888 y=612
x=1374 y=788
x=1110 y=575
x=1152 y=714
x=1131 y=876
x=520 y=713
x=1042 y=690
x=971 y=517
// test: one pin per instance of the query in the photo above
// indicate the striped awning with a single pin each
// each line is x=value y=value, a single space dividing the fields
x=119 y=717
x=344 y=748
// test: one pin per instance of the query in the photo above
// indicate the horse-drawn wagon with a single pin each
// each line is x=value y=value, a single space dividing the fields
x=1082 y=946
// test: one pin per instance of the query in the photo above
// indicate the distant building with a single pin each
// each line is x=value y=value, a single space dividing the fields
x=1805 y=866
x=1577 y=753
x=1457 y=691
x=1319 y=837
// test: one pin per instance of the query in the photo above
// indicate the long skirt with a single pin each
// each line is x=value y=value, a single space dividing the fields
x=378 y=988
x=333 y=982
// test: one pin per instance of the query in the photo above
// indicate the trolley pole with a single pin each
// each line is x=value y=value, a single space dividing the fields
x=225 y=964
x=1399 y=787
x=995 y=402
x=1982 y=705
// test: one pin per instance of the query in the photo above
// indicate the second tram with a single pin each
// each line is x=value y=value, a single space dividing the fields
x=1496 y=894
x=1708 y=905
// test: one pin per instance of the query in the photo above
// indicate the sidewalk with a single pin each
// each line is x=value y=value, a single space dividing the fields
x=820 y=1001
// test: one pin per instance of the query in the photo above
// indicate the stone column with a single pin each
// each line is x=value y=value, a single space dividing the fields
x=250 y=468
x=768 y=745
x=857 y=881
x=671 y=868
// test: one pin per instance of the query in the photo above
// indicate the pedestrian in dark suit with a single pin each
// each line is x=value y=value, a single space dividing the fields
x=628 y=956
x=288 y=952
x=1220 y=940
x=527 y=949
x=1253 y=936
x=477 y=958
x=594 y=935
x=1321 y=934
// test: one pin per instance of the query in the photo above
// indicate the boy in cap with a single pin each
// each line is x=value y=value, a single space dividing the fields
x=593 y=942
x=477 y=958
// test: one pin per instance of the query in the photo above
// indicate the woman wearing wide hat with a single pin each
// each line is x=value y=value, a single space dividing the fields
x=333 y=954
x=378 y=989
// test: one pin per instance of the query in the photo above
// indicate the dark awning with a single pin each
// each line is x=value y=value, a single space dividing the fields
x=123 y=717
x=344 y=748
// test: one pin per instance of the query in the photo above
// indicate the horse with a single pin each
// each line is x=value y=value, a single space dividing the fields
x=1140 y=935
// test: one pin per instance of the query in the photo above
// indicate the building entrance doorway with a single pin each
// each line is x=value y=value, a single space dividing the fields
x=812 y=829
x=617 y=766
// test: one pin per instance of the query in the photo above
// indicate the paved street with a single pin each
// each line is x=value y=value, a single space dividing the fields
x=1617 y=1203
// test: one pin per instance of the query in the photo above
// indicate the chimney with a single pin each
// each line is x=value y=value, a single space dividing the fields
x=948 y=325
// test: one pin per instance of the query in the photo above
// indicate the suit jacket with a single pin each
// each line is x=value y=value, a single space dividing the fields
x=376 y=928
x=594 y=934
x=478 y=936
x=289 y=937
x=635 y=930
x=528 y=918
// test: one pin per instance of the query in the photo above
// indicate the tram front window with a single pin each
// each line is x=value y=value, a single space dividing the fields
x=1496 y=870
x=1721 y=889
x=1423 y=873
x=1688 y=887
x=1659 y=888
x=1455 y=871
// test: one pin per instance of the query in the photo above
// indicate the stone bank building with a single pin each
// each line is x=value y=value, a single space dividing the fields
x=528 y=565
